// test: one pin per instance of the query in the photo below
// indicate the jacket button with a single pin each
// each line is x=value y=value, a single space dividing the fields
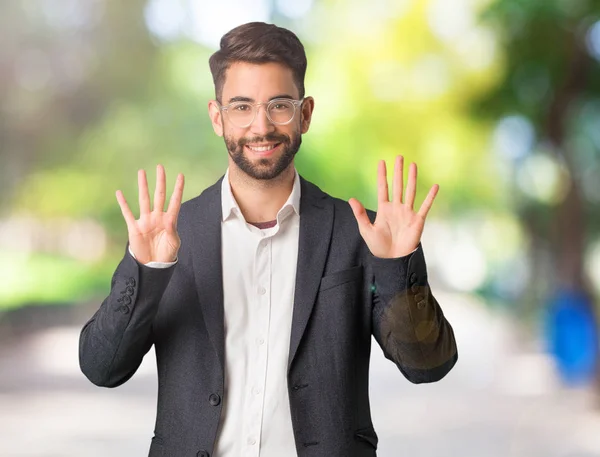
x=421 y=304
x=414 y=288
x=130 y=282
x=125 y=309
x=214 y=399
x=413 y=278
x=418 y=297
x=129 y=290
x=202 y=453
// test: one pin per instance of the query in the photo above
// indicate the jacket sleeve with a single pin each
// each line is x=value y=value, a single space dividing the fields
x=114 y=341
x=407 y=321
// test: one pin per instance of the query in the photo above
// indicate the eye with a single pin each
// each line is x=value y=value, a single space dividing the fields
x=242 y=107
x=281 y=106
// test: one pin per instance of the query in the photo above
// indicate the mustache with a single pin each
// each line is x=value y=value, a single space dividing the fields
x=270 y=138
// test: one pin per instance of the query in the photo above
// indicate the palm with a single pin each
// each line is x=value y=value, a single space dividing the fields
x=154 y=237
x=397 y=229
x=156 y=233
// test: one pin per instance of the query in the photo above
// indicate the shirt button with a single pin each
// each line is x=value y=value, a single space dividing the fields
x=251 y=441
x=260 y=341
x=256 y=391
x=261 y=290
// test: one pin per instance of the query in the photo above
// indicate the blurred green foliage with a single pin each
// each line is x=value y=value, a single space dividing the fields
x=87 y=103
x=552 y=81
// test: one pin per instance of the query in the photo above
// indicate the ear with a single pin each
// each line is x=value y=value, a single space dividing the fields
x=216 y=117
x=306 y=110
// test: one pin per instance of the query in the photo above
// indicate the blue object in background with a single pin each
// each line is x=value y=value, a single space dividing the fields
x=572 y=334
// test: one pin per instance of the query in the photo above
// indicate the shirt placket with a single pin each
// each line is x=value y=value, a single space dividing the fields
x=260 y=330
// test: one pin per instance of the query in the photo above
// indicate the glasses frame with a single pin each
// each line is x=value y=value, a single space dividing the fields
x=256 y=107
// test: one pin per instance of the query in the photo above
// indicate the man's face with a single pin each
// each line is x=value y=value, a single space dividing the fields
x=262 y=150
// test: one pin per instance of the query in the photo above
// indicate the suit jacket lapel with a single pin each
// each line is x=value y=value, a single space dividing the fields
x=206 y=258
x=316 y=224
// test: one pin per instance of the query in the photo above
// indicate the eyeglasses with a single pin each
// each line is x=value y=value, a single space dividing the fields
x=280 y=111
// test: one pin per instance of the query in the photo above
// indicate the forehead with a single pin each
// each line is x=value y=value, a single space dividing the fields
x=259 y=82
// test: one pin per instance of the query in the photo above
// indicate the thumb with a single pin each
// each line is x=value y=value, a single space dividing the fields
x=364 y=224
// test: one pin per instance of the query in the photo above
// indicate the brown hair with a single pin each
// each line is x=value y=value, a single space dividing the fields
x=257 y=42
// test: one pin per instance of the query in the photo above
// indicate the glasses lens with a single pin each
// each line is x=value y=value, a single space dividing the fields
x=241 y=113
x=281 y=111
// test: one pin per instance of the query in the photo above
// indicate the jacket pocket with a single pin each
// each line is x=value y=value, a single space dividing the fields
x=341 y=277
x=367 y=435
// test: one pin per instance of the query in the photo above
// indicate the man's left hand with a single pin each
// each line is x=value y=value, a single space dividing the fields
x=397 y=229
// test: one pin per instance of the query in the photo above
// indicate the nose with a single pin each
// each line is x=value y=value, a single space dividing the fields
x=261 y=124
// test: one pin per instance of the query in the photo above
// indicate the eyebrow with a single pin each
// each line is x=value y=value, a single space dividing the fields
x=240 y=98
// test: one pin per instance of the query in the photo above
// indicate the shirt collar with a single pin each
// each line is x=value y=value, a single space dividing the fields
x=230 y=206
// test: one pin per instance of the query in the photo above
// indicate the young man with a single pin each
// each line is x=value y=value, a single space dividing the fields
x=261 y=294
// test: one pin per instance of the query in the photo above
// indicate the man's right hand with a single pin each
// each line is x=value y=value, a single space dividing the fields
x=153 y=237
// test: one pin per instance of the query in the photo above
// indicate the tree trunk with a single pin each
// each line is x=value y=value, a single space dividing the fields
x=568 y=225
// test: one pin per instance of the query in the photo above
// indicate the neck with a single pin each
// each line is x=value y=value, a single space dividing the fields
x=261 y=200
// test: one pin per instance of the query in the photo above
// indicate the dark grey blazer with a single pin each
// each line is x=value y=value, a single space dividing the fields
x=343 y=295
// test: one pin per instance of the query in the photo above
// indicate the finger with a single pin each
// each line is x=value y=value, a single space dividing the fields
x=397 y=182
x=125 y=210
x=426 y=206
x=144 y=197
x=411 y=186
x=364 y=223
x=159 y=191
x=382 y=185
x=175 y=202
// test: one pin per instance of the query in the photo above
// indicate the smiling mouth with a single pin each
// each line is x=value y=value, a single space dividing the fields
x=263 y=148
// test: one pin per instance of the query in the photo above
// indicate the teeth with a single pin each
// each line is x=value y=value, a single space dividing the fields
x=261 y=148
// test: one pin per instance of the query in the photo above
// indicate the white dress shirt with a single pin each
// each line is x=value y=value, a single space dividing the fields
x=259 y=275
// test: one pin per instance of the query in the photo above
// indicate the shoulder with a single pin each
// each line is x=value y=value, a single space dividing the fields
x=209 y=201
x=342 y=209
x=344 y=220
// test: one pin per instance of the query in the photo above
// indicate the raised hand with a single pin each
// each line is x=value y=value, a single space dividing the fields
x=153 y=237
x=398 y=228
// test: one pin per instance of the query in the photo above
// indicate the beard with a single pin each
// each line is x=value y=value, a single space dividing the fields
x=269 y=167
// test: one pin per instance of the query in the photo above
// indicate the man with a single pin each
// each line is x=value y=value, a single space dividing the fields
x=260 y=295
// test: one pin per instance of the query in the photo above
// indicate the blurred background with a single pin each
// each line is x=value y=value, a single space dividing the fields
x=498 y=101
